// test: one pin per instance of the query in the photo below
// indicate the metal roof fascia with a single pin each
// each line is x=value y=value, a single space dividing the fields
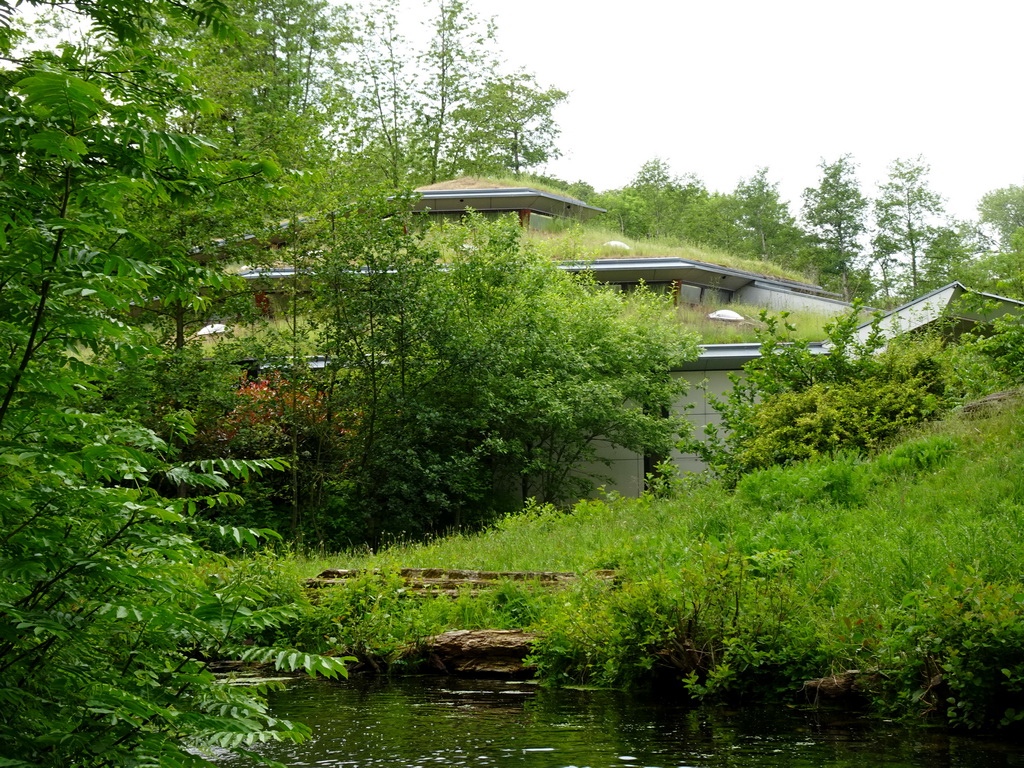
x=732 y=357
x=449 y=194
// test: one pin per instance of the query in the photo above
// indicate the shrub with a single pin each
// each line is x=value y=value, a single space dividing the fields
x=797 y=403
x=840 y=479
x=957 y=652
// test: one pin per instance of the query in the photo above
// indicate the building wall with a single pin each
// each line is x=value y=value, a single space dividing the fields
x=623 y=470
x=779 y=300
x=694 y=406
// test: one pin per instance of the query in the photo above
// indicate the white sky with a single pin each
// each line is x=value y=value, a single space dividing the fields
x=720 y=88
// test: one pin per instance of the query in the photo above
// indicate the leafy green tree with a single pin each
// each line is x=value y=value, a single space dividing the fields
x=657 y=204
x=509 y=125
x=478 y=373
x=1003 y=210
x=280 y=82
x=104 y=619
x=457 y=61
x=835 y=212
x=770 y=231
x=280 y=89
x=907 y=217
x=999 y=272
x=713 y=221
x=446 y=109
x=381 y=137
x=953 y=247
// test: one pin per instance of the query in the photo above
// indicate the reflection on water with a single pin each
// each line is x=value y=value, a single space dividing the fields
x=417 y=722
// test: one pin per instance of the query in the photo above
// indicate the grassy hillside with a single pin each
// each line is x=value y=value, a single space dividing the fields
x=906 y=567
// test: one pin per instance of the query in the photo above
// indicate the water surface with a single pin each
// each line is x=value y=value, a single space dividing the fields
x=432 y=721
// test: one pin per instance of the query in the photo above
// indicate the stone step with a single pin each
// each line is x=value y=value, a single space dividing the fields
x=452 y=581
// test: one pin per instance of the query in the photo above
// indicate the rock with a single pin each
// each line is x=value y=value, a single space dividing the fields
x=726 y=315
x=482 y=652
x=989 y=403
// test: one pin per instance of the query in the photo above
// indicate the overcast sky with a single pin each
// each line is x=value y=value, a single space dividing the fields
x=721 y=88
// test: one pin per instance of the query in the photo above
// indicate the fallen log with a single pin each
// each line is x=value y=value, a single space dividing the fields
x=498 y=652
x=841 y=687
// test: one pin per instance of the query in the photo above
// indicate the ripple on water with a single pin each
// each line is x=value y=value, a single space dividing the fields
x=421 y=722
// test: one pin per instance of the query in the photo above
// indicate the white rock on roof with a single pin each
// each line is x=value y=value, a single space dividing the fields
x=727 y=315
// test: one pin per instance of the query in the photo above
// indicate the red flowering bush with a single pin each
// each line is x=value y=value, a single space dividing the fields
x=270 y=413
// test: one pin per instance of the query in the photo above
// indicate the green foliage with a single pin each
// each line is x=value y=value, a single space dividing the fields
x=769 y=231
x=795 y=402
x=899 y=566
x=104 y=624
x=445 y=109
x=917 y=455
x=368 y=618
x=1003 y=210
x=835 y=213
x=907 y=215
x=1005 y=347
x=957 y=649
x=478 y=373
x=835 y=479
x=105 y=628
x=862 y=415
x=656 y=205
x=722 y=625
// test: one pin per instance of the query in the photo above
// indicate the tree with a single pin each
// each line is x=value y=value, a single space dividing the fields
x=771 y=232
x=385 y=97
x=509 y=125
x=455 y=64
x=478 y=372
x=953 y=247
x=1003 y=210
x=1000 y=271
x=280 y=82
x=445 y=109
x=835 y=212
x=104 y=620
x=658 y=204
x=907 y=214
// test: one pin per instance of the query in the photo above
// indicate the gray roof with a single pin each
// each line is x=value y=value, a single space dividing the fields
x=503 y=200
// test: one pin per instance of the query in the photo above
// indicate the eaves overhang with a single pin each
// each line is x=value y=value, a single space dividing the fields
x=655 y=269
x=943 y=303
x=506 y=200
x=732 y=357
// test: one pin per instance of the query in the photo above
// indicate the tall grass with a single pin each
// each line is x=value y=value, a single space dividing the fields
x=909 y=563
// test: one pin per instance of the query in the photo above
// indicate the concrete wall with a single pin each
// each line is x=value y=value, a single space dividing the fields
x=624 y=470
x=777 y=300
x=695 y=408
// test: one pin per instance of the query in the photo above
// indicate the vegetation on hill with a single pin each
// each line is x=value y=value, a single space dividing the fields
x=807 y=570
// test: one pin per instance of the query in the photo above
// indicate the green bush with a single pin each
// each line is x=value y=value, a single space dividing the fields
x=796 y=403
x=723 y=626
x=957 y=651
x=858 y=415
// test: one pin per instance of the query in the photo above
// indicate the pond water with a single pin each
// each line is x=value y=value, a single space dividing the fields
x=431 y=721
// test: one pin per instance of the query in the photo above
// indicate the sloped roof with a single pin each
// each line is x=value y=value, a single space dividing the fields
x=481 y=195
x=652 y=269
x=944 y=302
